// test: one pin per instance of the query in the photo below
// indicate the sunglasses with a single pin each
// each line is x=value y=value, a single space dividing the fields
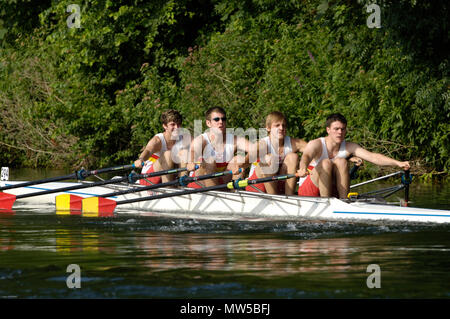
x=217 y=119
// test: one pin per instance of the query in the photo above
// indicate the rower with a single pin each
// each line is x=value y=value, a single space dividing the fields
x=214 y=150
x=277 y=156
x=158 y=153
x=323 y=167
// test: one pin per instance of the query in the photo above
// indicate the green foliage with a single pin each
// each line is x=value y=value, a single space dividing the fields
x=107 y=83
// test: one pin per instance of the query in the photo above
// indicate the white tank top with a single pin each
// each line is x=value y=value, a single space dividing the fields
x=271 y=149
x=343 y=153
x=219 y=157
x=152 y=159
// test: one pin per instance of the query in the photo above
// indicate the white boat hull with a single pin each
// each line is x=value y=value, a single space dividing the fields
x=214 y=204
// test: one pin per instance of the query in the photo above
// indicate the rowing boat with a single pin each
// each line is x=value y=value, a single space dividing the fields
x=239 y=204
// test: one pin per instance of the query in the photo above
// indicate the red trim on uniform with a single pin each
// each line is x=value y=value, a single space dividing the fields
x=220 y=168
x=262 y=187
x=308 y=188
x=154 y=180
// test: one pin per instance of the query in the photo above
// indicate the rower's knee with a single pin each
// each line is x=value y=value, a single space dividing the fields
x=269 y=164
x=290 y=164
x=340 y=163
x=325 y=165
x=291 y=160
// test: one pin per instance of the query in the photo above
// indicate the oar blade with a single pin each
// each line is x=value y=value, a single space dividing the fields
x=7 y=201
x=68 y=202
x=98 y=206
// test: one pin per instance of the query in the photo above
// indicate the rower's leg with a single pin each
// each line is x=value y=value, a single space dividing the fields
x=290 y=166
x=181 y=160
x=266 y=169
x=342 y=180
x=163 y=163
x=207 y=168
x=321 y=176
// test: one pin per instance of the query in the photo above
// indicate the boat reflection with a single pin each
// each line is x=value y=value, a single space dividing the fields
x=153 y=245
x=200 y=252
x=84 y=214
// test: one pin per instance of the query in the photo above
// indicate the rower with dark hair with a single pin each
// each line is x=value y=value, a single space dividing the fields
x=214 y=150
x=326 y=160
x=157 y=154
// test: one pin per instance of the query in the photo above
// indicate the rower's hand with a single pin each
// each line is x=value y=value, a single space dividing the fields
x=267 y=160
x=138 y=163
x=358 y=161
x=235 y=168
x=404 y=165
x=191 y=166
x=302 y=172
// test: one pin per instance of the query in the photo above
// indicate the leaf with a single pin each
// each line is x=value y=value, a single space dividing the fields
x=323 y=7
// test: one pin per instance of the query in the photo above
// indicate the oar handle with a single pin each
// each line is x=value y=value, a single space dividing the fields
x=245 y=182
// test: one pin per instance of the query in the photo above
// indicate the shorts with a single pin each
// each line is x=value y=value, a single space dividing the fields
x=308 y=188
x=220 y=167
x=262 y=187
x=153 y=180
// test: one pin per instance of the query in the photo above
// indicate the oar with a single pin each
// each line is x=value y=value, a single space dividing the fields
x=80 y=175
x=182 y=181
x=92 y=205
x=376 y=179
x=73 y=202
x=7 y=200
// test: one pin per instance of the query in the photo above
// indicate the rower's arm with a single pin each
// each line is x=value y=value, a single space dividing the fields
x=243 y=145
x=377 y=158
x=195 y=152
x=153 y=146
x=298 y=145
x=309 y=153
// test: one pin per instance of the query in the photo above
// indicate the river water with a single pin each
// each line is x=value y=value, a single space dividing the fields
x=151 y=256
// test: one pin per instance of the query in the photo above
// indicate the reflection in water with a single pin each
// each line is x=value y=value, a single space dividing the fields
x=158 y=251
x=132 y=252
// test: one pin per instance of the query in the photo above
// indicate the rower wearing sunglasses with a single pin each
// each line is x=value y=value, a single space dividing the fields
x=214 y=150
